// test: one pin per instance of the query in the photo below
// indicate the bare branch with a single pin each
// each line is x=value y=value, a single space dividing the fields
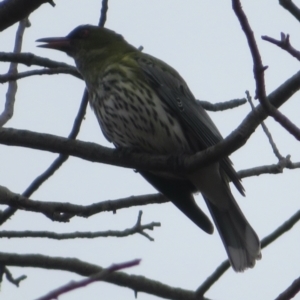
x=13 y=70
x=220 y=106
x=96 y=153
x=258 y=70
x=284 y=44
x=291 y=291
x=266 y=131
x=13 y=11
x=285 y=227
x=104 y=9
x=57 y=163
x=10 y=77
x=134 y=282
x=10 y=278
x=56 y=210
x=291 y=7
x=82 y=283
x=224 y=266
x=30 y=59
x=285 y=163
x=137 y=228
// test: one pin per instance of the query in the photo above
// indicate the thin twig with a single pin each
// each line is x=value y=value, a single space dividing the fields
x=137 y=228
x=6 y=214
x=11 y=279
x=278 y=168
x=266 y=131
x=96 y=277
x=284 y=44
x=13 y=70
x=103 y=14
x=30 y=59
x=220 y=106
x=259 y=70
x=10 y=77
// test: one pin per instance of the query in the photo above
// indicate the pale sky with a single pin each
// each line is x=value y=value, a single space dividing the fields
x=203 y=41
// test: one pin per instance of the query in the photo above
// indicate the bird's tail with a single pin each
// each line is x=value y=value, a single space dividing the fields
x=240 y=240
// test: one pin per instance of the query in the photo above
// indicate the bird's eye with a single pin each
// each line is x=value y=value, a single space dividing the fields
x=80 y=34
x=83 y=33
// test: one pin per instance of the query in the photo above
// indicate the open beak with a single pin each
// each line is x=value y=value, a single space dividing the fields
x=57 y=43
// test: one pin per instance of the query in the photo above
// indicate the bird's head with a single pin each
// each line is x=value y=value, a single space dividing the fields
x=85 y=39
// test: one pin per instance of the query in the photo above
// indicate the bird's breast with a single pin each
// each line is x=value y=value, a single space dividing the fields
x=131 y=114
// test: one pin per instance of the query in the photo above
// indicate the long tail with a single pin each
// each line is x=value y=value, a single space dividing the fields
x=240 y=240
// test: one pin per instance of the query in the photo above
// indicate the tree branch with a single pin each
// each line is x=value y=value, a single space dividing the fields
x=134 y=282
x=284 y=44
x=60 y=211
x=258 y=70
x=137 y=228
x=82 y=283
x=13 y=71
x=285 y=163
x=30 y=59
x=291 y=291
x=291 y=7
x=104 y=9
x=220 y=106
x=96 y=153
x=13 y=11
x=266 y=131
x=57 y=163
x=9 y=77
x=224 y=266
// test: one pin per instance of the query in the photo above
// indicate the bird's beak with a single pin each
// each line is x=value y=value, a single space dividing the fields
x=57 y=43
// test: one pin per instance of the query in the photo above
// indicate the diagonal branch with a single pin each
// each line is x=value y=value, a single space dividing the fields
x=284 y=44
x=224 y=266
x=291 y=291
x=291 y=7
x=134 y=282
x=266 y=131
x=258 y=70
x=57 y=163
x=13 y=11
x=84 y=282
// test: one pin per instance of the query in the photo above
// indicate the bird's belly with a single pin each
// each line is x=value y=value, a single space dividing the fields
x=136 y=118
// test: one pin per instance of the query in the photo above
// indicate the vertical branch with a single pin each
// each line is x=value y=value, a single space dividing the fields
x=258 y=70
x=103 y=14
x=13 y=70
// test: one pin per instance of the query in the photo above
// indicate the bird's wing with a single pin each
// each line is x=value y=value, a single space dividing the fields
x=172 y=89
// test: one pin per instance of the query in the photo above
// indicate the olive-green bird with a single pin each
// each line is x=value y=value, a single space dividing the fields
x=142 y=103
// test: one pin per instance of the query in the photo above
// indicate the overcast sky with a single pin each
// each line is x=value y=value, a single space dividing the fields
x=203 y=41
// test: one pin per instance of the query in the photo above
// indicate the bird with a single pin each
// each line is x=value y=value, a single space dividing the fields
x=143 y=104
